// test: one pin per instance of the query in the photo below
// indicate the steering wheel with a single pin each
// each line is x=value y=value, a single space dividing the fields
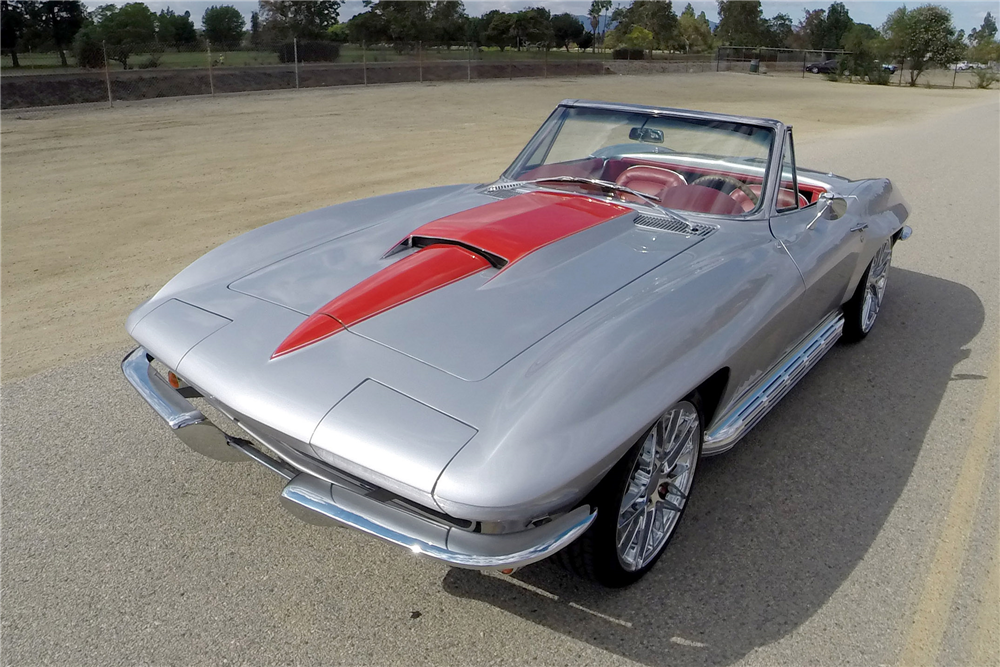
x=729 y=180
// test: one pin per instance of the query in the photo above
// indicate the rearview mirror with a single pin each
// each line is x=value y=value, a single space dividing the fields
x=646 y=135
x=832 y=206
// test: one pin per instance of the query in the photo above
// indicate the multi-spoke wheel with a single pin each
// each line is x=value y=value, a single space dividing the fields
x=640 y=501
x=862 y=310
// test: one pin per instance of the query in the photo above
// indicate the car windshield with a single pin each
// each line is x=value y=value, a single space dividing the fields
x=683 y=163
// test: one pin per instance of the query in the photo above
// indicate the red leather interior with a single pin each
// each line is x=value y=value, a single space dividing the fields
x=741 y=198
x=699 y=198
x=649 y=180
x=589 y=168
x=652 y=179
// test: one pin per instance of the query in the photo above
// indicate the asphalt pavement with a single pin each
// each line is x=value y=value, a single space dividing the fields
x=857 y=524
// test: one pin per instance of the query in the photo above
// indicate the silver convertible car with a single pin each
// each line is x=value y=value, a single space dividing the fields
x=490 y=374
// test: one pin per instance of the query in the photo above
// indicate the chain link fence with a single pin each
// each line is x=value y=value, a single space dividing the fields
x=102 y=72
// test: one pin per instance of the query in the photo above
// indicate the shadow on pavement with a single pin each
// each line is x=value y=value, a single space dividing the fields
x=776 y=525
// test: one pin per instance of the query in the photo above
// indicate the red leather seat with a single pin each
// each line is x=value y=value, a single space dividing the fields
x=700 y=199
x=649 y=180
x=786 y=198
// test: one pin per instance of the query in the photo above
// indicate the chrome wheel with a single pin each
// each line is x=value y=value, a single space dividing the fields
x=878 y=273
x=658 y=486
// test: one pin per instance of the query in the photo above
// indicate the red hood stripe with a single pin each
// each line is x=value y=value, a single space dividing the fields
x=514 y=227
x=510 y=228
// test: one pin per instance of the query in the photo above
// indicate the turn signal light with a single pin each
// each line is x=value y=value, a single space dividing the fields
x=174 y=381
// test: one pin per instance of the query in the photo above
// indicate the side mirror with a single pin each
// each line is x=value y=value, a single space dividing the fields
x=832 y=207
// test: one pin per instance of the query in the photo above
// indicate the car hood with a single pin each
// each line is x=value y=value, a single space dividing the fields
x=468 y=291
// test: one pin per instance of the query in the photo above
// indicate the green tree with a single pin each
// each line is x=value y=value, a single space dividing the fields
x=866 y=48
x=59 y=22
x=533 y=26
x=449 y=22
x=985 y=33
x=776 y=31
x=366 y=28
x=809 y=33
x=694 y=32
x=255 y=28
x=566 y=29
x=655 y=16
x=599 y=7
x=595 y=19
x=739 y=22
x=923 y=36
x=284 y=19
x=176 y=30
x=639 y=38
x=126 y=30
x=223 y=25
x=12 y=26
x=500 y=30
x=836 y=24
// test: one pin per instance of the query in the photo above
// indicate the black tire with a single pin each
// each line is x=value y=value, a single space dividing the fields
x=814 y=70
x=594 y=554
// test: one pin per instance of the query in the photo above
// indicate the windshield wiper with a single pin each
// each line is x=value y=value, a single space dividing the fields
x=604 y=185
x=651 y=199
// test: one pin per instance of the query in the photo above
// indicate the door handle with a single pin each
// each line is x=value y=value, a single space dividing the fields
x=861 y=226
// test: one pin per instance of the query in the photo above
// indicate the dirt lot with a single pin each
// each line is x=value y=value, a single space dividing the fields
x=101 y=206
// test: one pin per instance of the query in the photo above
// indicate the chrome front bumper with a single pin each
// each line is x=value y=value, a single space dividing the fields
x=317 y=500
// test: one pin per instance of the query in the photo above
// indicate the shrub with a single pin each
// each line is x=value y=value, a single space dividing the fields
x=878 y=76
x=628 y=54
x=88 y=48
x=832 y=76
x=984 y=78
x=151 y=62
x=309 y=52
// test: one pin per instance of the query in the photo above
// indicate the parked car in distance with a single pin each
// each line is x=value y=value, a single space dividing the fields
x=824 y=67
x=962 y=65
x=889 y=67
x=487 y=374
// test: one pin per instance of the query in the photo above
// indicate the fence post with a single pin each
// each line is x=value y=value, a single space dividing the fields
x=364 y=61
x=420 y=60
x=954 y=76
x=803 y=64
x=107 y=75
x=469 y=62
x=718 y=59
x=295 y=54
x=510 y=64
x=211 y=80
x=545 y=64
x=901 y=63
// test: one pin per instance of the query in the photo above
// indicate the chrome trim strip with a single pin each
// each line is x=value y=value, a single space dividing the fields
x=772 y=388
x=460 y=548
x=275 y=466
x=185 y=420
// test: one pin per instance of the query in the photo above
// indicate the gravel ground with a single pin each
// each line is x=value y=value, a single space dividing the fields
x=817 y=541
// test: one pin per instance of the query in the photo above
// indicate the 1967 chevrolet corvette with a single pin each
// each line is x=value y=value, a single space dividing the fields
x=490 y=374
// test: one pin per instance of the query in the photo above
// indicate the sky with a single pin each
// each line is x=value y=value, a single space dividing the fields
x=967 y=14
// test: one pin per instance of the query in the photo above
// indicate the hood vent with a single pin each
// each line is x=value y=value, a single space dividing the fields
x=672 y=224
